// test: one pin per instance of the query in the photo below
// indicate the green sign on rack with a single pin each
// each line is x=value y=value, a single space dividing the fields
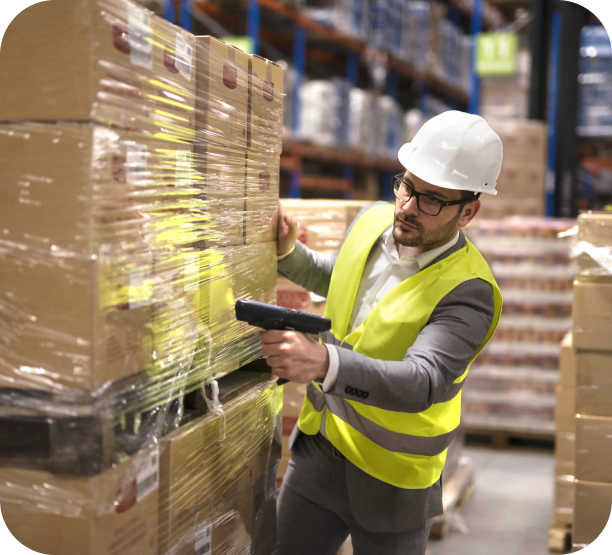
x=244 y=43
x=496 y=54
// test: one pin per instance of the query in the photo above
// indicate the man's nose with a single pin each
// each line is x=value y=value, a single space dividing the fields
x=411 y=207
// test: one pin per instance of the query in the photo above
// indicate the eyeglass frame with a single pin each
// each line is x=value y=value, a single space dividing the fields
x=416 y=194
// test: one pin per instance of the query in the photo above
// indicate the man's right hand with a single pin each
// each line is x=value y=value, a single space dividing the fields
x=287 y=231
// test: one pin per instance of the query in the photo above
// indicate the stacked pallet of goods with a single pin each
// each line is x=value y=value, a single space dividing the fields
x=583 y=485
x=139 y=166
x=511 y=387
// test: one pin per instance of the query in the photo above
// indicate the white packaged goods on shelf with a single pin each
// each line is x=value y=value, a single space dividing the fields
x=513 y=387
x=135 y=212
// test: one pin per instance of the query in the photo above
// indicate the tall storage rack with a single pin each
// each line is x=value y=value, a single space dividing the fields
x=276 y=26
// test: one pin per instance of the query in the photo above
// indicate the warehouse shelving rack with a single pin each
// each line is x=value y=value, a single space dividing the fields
x=308 y=39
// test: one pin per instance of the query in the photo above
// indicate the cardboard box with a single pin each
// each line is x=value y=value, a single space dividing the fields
x=222 y=93
x=592 y=316
x=567 y=362
x=565 y=454
x=266 y=86
x=523 y=141
x=291 y=295
x=189 y=482
x=593 y=448
x=518 y=179
x=227 y=275
x=565 y=419
x=74 y=323
x=564 y=499
x=223 y=171
x=93 y=188
x=591 y=511
x=594 y=383
x=262 y=188
x=114 y=513
x=119 y=65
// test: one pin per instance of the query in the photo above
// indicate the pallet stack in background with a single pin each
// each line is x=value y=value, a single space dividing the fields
x=522 y=182
x=592 y=352
x=511 y=387
x=139 y=168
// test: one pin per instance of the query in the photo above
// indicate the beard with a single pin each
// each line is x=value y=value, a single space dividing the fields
x=421 y=237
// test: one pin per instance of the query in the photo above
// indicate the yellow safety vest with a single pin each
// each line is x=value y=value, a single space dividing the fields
x=407 y=450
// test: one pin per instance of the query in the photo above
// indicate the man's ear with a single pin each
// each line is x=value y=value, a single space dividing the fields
x=469 y=212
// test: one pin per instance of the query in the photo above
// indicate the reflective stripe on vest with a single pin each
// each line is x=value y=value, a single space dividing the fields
x=407 y=450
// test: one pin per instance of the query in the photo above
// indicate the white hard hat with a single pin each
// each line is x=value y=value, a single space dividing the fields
x=455 y=150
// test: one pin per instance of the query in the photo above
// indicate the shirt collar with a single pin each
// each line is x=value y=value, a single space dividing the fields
x=423 y=259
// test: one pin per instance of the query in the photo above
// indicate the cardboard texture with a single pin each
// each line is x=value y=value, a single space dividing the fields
x=567 y=362
x=592 y=316
x=592 y=510
x=266 y=84
x=189 y=487
x=223 y=170
x=118 y=64
x=564 y=499
x=565 y=454
x=114 y=513
x=262 y=191
x=593 y=448
x=93 y=186
x=565 y=420
x=222 y=93
x=594 y=383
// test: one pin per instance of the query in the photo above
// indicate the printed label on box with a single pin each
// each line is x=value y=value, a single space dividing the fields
x=184 y=57
x=264 y=181
x=140 y=36
x=203 y=540
x=147 y=478
x=230 y=76
x=268 y=91
x=136 y=163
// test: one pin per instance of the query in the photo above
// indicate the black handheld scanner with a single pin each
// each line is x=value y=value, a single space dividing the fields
x=272 y=317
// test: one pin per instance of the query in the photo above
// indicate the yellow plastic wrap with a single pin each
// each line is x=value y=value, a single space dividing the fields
x=139 y=168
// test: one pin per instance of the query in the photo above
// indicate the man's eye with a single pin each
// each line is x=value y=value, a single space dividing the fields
x=432 y=200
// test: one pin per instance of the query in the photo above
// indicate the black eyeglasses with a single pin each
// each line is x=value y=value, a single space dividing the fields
x=427 y=204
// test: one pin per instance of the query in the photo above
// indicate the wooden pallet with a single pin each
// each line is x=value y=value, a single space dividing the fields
x=509 y=439
x=560 y=537
x=456 y=492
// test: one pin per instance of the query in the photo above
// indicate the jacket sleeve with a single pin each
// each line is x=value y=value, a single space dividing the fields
x=440 y=354
x=310 y=269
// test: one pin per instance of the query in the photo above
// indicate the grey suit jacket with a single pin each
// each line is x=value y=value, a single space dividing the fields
x=455 y=331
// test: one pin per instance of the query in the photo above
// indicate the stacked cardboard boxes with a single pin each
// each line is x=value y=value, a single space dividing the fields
x=511 y=387
x=140 y=180
x=521 y=184
x=593 y=386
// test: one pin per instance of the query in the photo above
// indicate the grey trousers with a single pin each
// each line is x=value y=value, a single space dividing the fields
x=315 y=516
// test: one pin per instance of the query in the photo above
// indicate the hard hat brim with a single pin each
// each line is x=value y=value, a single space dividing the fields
x=406 y=156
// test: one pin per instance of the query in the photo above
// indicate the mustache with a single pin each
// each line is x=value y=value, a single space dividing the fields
x=409 y=219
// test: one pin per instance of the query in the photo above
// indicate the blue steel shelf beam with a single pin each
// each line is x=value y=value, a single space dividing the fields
x=185 y=15
x=169 y=11
x=553 y=102
x=253 y=24
x=299 y=65
x=474 y=104
x=352 y=75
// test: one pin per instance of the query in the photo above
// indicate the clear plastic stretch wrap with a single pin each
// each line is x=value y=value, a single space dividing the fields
x=592 y=246
x=210 y=483
x=140 y=175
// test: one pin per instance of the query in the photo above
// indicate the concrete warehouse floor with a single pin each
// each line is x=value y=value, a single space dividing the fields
x=510 y=509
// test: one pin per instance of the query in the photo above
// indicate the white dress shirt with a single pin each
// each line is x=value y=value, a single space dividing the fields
x=384 y=269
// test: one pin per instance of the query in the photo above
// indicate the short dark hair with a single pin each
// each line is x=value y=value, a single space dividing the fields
x=469 y=196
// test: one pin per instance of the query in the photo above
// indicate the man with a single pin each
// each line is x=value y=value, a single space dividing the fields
x=412 y=303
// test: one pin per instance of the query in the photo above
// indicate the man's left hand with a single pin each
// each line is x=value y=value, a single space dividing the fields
x=295 y=356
